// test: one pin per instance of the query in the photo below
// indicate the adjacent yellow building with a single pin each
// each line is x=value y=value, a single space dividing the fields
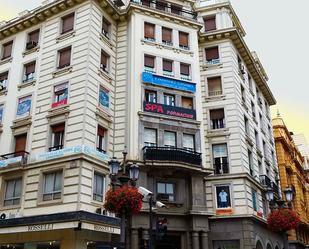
x=292 y=175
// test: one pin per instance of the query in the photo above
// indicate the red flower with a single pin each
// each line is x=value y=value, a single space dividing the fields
x=282 y=220
x=125 y=200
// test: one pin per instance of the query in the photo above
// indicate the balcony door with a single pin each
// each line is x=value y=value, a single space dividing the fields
x=20 y=144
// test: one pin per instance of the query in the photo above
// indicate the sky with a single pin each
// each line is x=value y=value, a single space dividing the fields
x=277 y=31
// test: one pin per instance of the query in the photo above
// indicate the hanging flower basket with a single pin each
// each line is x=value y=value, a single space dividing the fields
x=124 y=200
x=282 y=220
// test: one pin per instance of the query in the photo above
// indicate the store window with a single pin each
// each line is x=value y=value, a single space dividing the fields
x=52 y=186
x=183 y=40
x=149 y=63
x=214 y=86
x=151 y=96
x=167 y=36
x=106 y=26
x=4 y=80
x=7 y=50
x=170 y=139
x=150 y=137
x=220 y=159
x=254 y=200
x=165 y=191
x=64 y=56
x=20 y=144
x=29 y=72
x=188 y=142
x=24 y=107
x=104 y=61
x=67 y=23
x=1 y=113
x=57 y=138
x=98 y=187
x=13 y=189
x=101 y=139
x=169 y=99
x=149 y=31
x=187 y=102
x=217 y=119
x=223 y=196
x=104 y=97
x=212 y=55
x=60 y=95
x=210 y=23
x=33 y=39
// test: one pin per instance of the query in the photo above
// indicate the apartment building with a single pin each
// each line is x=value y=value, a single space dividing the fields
x=293 y=175
x=302 y=145
x=239 y=142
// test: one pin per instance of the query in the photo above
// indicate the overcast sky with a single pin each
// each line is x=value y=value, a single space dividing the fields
x=278 y=32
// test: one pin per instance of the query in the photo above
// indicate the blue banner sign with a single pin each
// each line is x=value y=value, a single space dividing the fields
x=168 y=82
x=5 y=163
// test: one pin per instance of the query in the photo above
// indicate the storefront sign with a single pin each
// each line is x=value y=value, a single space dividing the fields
x=169 y=110
x=41 y=227
x=168 y=82
x=100 y=228
x=104 y=229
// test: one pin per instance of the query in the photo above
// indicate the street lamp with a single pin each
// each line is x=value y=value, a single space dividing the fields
x=270 y=194
x=288 y=194
x=134 y=172
x=114 y=166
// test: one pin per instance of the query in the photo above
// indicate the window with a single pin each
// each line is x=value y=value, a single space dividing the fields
x=212 y=55
x=223 y=196
x=33 y=39
x=183 y=40
x=161 y=5
x=167 y=36
x=7 y=50
x=188 y=142
x=104 y=97
x=257 y=141
x=165 y=191
x=106 y=27
x=246 y=122
x=210 y=23
x=254 y=200
x=176 y=9
x=169 y=99
x=217 y=119
x=151 y=96
x=4 y=80
x=149 y=63
x=104 y=61
x=264 y=149
x=29 y=71
x=52 y=186
x=270 y=132
x=253 y=110
x=185 y=71
x=146 y=2
x=101 y=139
x=149 y=31
x=187 y=102
x=1 y=113
x=64 y=57
x=13 y=189
x=60 y=95
x=167 y=67
x=250 y=83
x=214 y=86
x=273 y=158
x=241 y=66
x=98 y=187
x=250 y=162
x=260 y=167
x=57 y=137
x=170 y=139
x=220 y=159
x=243 y=94
x=261 y=121
x=150 y=136
x=67 y=23
x=24 y=107
x=20 y=145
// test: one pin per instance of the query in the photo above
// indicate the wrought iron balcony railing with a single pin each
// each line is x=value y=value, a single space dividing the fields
x=58 y=147
x=20 y=156
x=172 y=154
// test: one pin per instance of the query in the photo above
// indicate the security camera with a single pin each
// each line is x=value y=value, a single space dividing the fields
x=144 y=192
x=160 y=204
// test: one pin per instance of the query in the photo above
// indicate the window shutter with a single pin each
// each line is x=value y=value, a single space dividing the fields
x=169 y=138
x=217 y=114
x=149 y=61
x=166 y=35
x=58 y=128
x=68 y=23
x=212 y=53
x=149 y=30
x=34 y=36
x=183 y=39
x=7 y=50
x=210 y=23
x=20 y=142
x=65 y=57
x=101 y=131
x=167 y=65
x=184 y=69
x=30 y=68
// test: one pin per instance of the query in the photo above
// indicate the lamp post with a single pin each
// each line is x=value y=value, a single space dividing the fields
x=120 y=176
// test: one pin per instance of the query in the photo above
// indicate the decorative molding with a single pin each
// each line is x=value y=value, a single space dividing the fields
x=105 y=75
x=30 y=51
x=63 y=110
x=65 y=36
x=21 y=123
x=62 y=71
x=103 y=114
x=218 y=133
x=107 y=41
x=26 y=84
x=7 y=60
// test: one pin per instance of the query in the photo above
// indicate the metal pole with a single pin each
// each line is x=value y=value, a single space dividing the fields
x=123 y=230
x=150 y=221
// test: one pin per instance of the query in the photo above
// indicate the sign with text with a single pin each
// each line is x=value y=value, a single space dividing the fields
x=169 y=110
x=168 y=82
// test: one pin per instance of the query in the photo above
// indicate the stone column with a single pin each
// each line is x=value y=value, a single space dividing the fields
x=195 y=240
x=204 y=240
x=134 y=239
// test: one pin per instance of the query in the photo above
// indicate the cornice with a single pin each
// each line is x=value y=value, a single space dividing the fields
x=242 y=48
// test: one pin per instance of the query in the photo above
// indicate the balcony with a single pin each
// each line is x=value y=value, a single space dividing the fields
x=172 y=154
x=15 y=157
x=54 y=148
x=167 y=7
x=267 y=183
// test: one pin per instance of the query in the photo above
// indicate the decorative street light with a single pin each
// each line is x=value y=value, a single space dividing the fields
x=134 y=173
x=270 y=194
x=289 y=194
